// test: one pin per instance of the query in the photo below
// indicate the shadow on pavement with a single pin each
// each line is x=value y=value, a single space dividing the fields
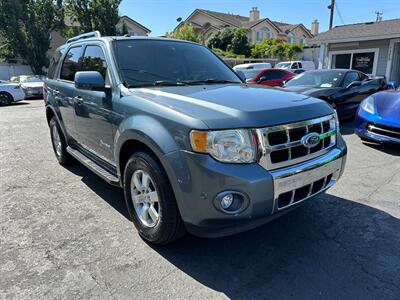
x=387 y=148
x=347 y=126
x=114 y=196
x=329 y=248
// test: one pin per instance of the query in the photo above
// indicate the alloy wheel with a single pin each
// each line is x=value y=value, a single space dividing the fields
x=56 y=141
x=145 y=198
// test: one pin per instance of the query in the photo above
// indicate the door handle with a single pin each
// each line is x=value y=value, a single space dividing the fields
x=78 y=99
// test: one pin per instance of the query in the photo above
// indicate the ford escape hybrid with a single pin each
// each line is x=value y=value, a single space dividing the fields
x=193 y=147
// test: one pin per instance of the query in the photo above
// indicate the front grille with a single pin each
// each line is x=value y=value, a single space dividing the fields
x=282 y=145
x=384 y=130
x=304 y=192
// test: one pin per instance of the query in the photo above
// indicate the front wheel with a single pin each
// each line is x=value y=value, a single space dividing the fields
x=151 y=201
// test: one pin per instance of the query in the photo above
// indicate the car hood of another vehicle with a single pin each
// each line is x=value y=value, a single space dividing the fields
x=388 y=106
x=311 y=91
x=32 y=84
x=223 y=106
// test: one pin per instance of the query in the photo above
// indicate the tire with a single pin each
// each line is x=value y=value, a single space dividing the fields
x=157 y=222
x=59 y=144
x=5 y=99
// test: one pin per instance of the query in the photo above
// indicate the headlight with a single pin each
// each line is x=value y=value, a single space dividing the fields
x=337 y=121
x=368 y=105
x=232 y=146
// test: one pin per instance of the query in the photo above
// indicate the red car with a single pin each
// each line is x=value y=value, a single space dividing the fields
x=272 y=77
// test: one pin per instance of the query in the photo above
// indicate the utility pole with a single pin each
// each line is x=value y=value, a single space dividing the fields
x=331 y=7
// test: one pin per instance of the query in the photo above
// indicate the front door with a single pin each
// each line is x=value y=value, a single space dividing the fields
x=93 y=109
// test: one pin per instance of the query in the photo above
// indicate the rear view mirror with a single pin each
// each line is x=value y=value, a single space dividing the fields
x=89 y=80
x=353 y=84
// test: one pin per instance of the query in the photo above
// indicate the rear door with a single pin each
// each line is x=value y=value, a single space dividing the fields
x=94 y=108
x=64 y=88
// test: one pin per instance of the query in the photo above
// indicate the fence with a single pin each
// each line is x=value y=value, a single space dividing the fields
x=8 y=70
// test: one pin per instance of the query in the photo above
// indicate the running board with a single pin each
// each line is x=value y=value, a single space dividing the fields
x=95 y=168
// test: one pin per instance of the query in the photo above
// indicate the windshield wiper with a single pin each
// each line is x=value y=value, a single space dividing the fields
x=158 y=83
x=210 y=81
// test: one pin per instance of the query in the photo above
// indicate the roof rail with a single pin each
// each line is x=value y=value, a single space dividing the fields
x=84 y=36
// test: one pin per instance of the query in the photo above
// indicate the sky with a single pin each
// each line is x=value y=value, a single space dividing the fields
x=160 y=15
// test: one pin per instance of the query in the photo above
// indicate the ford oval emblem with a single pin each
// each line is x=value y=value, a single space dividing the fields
x=310 y=140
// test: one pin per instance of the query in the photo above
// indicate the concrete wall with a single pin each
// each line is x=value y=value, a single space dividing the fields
x=9 y=70
x=311 y=54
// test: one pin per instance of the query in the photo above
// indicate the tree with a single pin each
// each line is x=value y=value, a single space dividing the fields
x=275 y=48
x=91 y=15
x=185 y=32
x=220 y=39
x=25 y=27
x=240 y=43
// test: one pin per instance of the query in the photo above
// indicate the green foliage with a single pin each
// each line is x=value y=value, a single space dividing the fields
x=240 y=43
x=230 y=40
x=185 y=32
x=91 y=15
x=25 y=27
x=275 y=48
x=220 y=39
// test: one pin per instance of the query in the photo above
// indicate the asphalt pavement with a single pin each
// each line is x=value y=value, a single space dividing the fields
x=64 y=233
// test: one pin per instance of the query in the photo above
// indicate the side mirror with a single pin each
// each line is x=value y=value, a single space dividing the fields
x=90 y=80
x=262 y=78
x=353 y=84
x=241 y=75
x=391 y=85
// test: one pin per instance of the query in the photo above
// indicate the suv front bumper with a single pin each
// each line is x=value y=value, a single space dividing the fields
x=198 y=179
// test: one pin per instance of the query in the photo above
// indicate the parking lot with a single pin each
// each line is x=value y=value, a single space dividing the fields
x=65 y=233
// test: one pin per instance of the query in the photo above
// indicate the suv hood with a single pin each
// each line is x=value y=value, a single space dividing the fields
x=236 y=105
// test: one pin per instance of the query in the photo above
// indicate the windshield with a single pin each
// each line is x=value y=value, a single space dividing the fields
x=153 y=62
x=283 y=65
x=23 y=79
x=322 y=79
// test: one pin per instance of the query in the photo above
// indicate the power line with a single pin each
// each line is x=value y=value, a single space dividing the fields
x=338 y=11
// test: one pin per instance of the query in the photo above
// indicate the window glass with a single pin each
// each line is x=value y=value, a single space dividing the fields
x=54 y=63
x=363 y=62
x=71 y=64
x=259 y=36
x=349 y=78
x=341 y=61
x=94 y=60
x=317 y=78
x=300 y=65
x=294 y=66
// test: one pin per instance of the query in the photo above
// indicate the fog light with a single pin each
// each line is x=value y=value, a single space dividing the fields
x=227 y=201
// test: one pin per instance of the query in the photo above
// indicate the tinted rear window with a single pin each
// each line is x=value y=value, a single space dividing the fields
x=55 y=60
x=71 y=64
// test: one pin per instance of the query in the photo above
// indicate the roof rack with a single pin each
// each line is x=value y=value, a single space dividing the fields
x=84 y=36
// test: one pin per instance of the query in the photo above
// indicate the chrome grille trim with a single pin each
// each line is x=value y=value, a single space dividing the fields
x=267 y=149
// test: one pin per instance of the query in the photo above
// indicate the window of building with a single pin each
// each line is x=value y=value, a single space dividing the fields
x=361 y=60
x=259 y=37
x=303 y=40
x=290 y=37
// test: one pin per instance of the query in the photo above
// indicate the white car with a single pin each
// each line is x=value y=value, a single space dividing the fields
x=31 y=84
x=297 y=66
x=10 y=92
x=252 y=66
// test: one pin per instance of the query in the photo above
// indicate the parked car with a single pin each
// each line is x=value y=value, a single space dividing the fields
x=31 y=84
x=10 y=92
x=341 y=88
x=194 y=148
x=252 y=66
x=297 y=67
x=378 y=118
x=272 y=77
x=247 y=75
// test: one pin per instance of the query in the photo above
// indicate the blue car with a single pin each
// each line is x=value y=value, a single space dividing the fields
x=378 y=118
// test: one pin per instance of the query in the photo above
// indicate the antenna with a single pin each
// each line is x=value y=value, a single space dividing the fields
x=378 y=16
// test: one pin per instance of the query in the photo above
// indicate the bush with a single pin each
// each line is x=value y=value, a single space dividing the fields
x=185 y=32
x=274 y=48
